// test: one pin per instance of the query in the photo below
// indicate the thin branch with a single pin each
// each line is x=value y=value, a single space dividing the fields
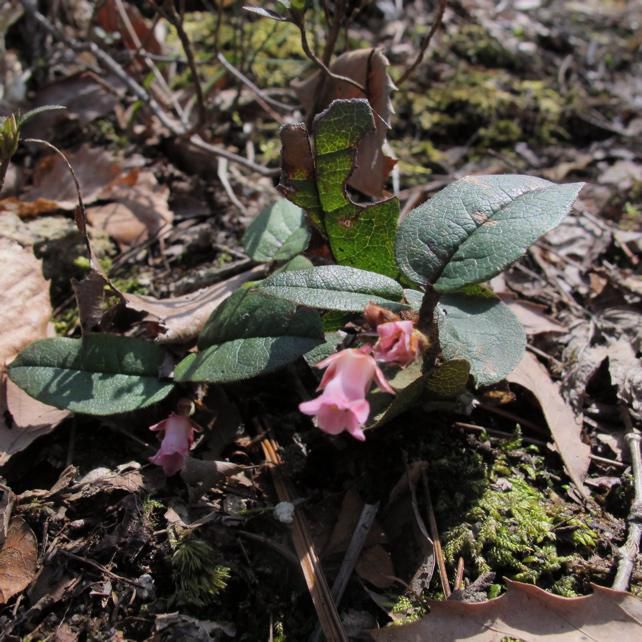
x=263 y=100
x=142 y=53
x=140 y=93
x=310 y=565
x=629 y=552
x=434 y=535
x=176 y=21
x=439 y=16
x=335 y=29
x=318 y=62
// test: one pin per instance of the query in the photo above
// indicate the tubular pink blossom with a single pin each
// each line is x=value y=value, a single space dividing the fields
x=397 y=343
x=342 y=405
x=178 y=437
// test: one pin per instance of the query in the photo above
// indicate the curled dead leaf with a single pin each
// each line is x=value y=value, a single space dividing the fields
x=18 y=559
x=529 y=614
x=565 y=427
x=369 y=68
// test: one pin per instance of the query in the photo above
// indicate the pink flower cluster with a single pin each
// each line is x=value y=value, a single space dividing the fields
x=350 y=373
x=178 y=437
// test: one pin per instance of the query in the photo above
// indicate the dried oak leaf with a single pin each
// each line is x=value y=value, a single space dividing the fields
x=53 y=187
x=182 y=318
x=18 y=559
x=529 y=614
x=25 y=308
x=565 y=427
x=139 y=209
x=368 y=67
x=25 y=311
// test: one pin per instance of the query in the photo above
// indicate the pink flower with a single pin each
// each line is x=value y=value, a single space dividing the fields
x=398 y=343
x=342 y=404
x=178 y=437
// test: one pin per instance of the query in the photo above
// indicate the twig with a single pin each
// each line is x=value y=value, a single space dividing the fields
x=459 y=576
x=176 y=21
x=101 y=568
x=359 y=536
x=439 y=15
x=140 y=93
x=530 y=440
x=335 y=29
x=310 y=565
x=120 y=8
x=318 y=62
x=262 y=97
x=629 y=552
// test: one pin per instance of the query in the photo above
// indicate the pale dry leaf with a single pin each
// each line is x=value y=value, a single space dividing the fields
x=626 y=374
x=182 y=318
x=533 y=317
x=565 y=427
x=375 y=566
x=7 y=501
x=530 y=614
x=53 y=186
x=84 y=95
x=25 y=312
x=368 y=67
x=18 y=559
x=30 y=420
x=25 y=308
x=139 y=209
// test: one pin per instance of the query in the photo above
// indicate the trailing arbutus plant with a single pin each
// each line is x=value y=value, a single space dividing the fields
x=397 y=314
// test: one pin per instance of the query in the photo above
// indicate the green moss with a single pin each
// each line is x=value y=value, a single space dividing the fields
x=476 y=45
x=198 y=579
x=491 y=105
x=517 y=528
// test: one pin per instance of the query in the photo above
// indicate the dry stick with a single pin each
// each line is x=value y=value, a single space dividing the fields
x=141 y=94
x=262 y=97
x=335 y=29
x=312 y=572
x=101 y=568
x=318 y=62
x=359 y=536
x=434 y=534
x=439 y=15
x=530 y=440
x=459 y=576
x=177 y=22
x=120 y=8
x=628 y=553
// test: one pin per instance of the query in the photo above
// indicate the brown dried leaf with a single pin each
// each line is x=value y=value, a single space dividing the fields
x=182 y=318
x=25 y=311
x=53 y=187
x=31 y=419
x=18 y=559
x=139 y=210
x=532 y=316
x=565 y=427
x=375 y=566
x=25 y=308
x=368 y=67
x=529 y=614
x=626 y=374
x=85 y=96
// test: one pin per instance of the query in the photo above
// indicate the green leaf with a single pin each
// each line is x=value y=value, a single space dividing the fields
x=414 y=298
x=250 y=334
x=483 y=331
x=253 y=313
x=335 y=287
x=360 y=236
x=332 y=341
x=477 y=226
x=278 y=233
x=242 y=358
x=99 y=374
x=448 y=380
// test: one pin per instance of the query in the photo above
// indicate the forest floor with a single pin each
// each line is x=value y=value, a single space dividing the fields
x=98 y=543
